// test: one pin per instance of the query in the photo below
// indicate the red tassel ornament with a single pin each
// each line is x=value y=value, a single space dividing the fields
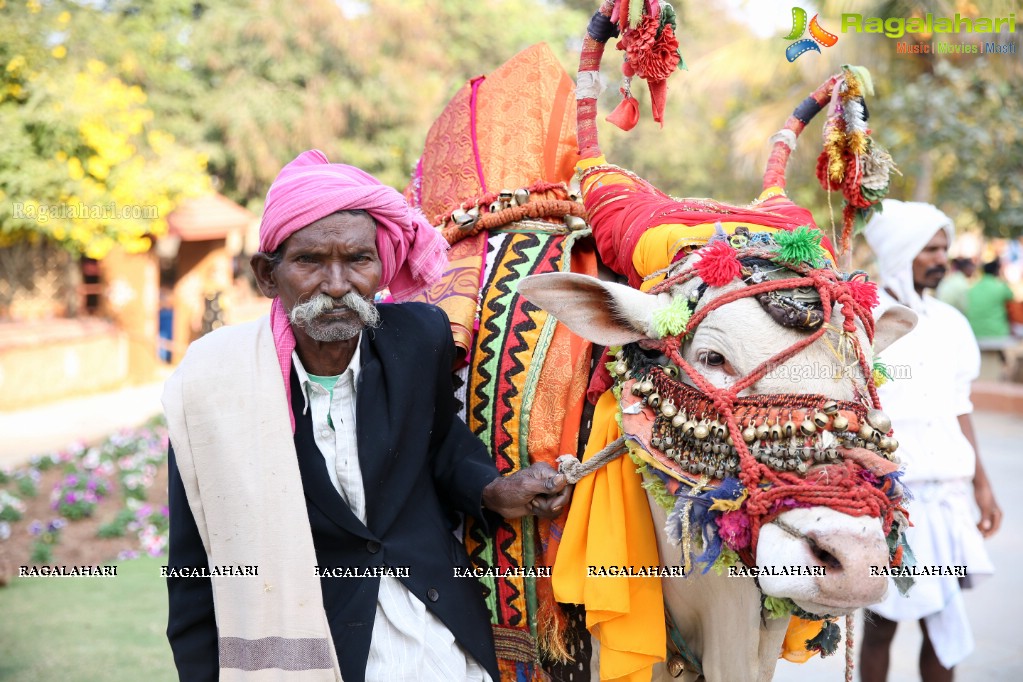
x=718 y=265
x=863 y=292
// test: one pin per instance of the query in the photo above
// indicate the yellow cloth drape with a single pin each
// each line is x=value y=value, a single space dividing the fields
x=609 y=524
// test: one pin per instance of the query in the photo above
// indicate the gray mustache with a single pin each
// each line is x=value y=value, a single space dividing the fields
x=303 y=313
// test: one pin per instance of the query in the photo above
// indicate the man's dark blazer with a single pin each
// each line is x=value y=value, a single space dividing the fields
x=421 y=466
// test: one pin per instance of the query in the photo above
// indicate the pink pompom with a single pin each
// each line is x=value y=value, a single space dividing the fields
x=718 y=264
x=863 y=292
x=734 y=529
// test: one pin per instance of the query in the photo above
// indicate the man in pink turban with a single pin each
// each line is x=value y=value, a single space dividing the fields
x=318 y=465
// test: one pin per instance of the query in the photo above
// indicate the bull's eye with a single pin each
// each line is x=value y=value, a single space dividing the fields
x=713 y=359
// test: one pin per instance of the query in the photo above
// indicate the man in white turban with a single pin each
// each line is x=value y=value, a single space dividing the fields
x=929 y=404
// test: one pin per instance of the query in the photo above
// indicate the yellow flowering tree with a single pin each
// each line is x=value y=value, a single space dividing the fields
x=82 y=162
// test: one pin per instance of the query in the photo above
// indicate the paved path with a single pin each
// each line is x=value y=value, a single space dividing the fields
x=37 y=431
x=995 y=607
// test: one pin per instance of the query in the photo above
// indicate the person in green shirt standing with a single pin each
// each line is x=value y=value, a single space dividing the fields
x=986 y=304
x=955 y=288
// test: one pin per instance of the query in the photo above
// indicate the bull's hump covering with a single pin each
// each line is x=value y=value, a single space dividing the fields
x=525 y=131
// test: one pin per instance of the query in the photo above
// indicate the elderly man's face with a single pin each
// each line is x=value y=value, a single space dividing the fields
x=931 y=264
x=327 y=277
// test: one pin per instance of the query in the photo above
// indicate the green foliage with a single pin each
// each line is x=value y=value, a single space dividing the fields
x=119 y=526
x=82 y=163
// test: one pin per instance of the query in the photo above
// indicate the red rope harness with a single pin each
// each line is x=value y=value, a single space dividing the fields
x=838 y=486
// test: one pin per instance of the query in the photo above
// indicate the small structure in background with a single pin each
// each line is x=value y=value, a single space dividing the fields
x=198 y=264
x=72 y=326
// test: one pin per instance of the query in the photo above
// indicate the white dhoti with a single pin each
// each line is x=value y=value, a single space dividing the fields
x=944 y=534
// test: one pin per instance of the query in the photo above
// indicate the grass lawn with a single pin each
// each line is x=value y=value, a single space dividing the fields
x=85 y=629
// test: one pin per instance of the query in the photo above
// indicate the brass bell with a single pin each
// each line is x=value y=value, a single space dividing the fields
x=521 y=196
x=886 y=444
x=879 y=420
x=820 y=419
x=637 y=388
x=729 y=442
x=701 y=431
x=653 y=400
x=646 y=387
x=574 y=222
x=894 y=444
x=808 y=428
x=474 y=213
x=749 y=434
x=461 y=217
x=866 y=432
x=839 y=423
x=775 y=432
x=763 y=431
x=495 y=206
x=678 y=421
x=830 y=407
x=506 y=195
x=621 y=368
x=801 y=468
x=668 y=408
x=689 y=427
x=720 y=473
x=676 y=666
x=789 y=429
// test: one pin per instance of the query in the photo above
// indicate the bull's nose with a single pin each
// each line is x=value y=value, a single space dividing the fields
x=847 y=559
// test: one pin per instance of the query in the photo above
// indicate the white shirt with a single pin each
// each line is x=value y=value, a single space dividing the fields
x=408 y=641
x=938 y=360
x=933 y=367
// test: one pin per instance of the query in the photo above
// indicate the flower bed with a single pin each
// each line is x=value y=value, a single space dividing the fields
x=105 y=501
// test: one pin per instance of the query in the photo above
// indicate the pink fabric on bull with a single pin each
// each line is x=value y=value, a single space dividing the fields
x=412 y=252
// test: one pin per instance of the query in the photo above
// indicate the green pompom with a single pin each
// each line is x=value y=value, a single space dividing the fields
x=672 y=320
x=727 y=558
x=778 y=607
x=801 y=245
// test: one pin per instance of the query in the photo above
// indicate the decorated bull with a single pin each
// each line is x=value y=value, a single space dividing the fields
x=701 y=455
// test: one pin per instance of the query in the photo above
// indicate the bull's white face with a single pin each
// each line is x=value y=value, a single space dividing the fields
x=727 y=345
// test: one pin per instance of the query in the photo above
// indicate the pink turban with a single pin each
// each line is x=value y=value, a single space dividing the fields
x=412 y=252
x=310 y=188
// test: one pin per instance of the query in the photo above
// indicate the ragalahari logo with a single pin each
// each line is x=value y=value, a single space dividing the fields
x=817 y=35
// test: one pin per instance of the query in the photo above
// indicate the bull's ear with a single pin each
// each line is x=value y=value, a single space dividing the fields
x=602 y=312
x=893 y=324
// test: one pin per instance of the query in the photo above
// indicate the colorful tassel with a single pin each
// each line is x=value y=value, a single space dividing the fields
x=826 y=641
x=863 y=292
x=801 y=245
x=672 y=320
x=718 y=264
x=880 y=373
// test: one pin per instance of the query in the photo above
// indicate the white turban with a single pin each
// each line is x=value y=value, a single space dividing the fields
x=897 y=236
